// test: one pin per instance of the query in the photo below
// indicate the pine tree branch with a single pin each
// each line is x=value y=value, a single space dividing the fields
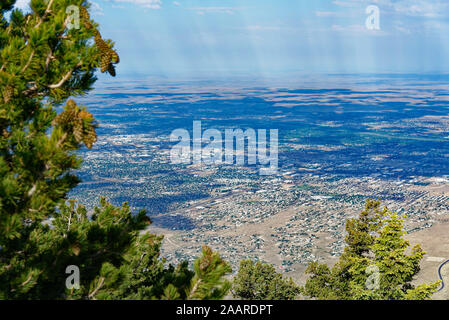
x=47 y=11
x=91 y=296
x=48 y=59
x=28 y=19
x=65 y=77
x=69 y=223
x=32 y=190
x=61 y=140
x=27 y=280
x=50 y=56
x=193 y=291
x=30 y=90
x=56 y=85
x=28 y=62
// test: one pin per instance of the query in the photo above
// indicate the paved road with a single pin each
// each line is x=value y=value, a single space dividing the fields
x=441 y=277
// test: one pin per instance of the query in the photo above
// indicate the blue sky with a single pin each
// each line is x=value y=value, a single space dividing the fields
x=266 y=38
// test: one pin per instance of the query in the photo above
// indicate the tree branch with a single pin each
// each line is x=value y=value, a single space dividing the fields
x=65 y=78
x=48 y=59
x=98 y=288
x=47 y=11
x=195 y=287
x=28 y=62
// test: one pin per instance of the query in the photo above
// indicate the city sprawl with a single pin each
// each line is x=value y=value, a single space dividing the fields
x=337 y=147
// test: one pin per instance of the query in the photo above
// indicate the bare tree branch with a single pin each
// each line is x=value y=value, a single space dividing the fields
x=47 y=11
x=96 y=290
x=28 y=62
x=65 y=78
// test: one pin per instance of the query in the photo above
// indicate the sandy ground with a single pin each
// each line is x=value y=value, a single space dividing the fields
x=435 y=241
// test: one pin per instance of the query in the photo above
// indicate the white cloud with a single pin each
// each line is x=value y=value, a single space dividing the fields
x=263 y=28
x=150 y=4
x=357 y=3
x=357 y=29
x=423 y=8
x=326 y=13
x=203 y=10
x=95 y=8
x=22 y=4
x=351 y=28
x=414 y=8
x=402 y=28
x=176 y=3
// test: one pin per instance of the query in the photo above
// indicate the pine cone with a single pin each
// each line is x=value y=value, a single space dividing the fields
x=7 y=94
x=84 y=15
x=67 y=116
x=111 y=70
x=78 y=130
x=76 y=249
x=207 y=259
x=90 y=137
x=85 y=115
x=108 y=56
x=115 y=57
x=101 y=44
x=71 y=104
x=105 y=62
x=205 y=263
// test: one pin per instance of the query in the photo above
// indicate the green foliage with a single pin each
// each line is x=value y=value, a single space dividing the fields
x=209 y=282
x=374 y=264
x=43 y=62
x=258 y=281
